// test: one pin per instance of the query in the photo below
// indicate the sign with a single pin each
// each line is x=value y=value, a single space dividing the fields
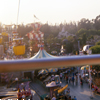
x=80 y=53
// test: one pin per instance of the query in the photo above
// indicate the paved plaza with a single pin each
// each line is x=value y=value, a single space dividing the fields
x=81 y=92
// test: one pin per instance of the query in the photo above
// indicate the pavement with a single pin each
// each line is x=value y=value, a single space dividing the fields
x=81 y=92
x=35 y=95
x=39 y=89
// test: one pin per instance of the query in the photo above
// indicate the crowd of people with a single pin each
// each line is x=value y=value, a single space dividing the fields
x=73 y=77
x=70 y=77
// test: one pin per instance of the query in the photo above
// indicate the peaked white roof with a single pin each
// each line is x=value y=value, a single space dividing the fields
x=42 y=54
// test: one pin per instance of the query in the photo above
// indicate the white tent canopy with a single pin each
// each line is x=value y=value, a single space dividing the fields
x=42 y=54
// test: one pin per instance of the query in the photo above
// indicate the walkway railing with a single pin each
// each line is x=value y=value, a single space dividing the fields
x=68 y=61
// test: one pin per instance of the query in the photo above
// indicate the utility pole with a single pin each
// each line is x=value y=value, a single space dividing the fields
x=91 y=95
x=18 y=13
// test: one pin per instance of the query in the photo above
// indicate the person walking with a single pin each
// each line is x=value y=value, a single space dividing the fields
x=54 y=97
x=75 y=98
x=81 y=81
x=73 y=79
x=69 y=78
x=61 y=76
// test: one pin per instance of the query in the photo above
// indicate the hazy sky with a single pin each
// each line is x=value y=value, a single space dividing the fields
x=53 y=11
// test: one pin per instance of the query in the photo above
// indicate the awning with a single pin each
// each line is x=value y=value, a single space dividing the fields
x=85 y=67
x=53 y=70
x=43 y=71
x=62 y=89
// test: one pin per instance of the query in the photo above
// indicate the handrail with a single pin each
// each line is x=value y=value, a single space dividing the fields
x=32 y=64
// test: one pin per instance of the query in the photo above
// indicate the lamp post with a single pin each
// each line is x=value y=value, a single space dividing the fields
x=91 y=96
x=78 y=51
x=79 y=45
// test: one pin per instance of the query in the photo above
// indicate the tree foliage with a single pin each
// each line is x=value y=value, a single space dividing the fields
x=98 y=43
x=95 y=49
x=83 y=31
x=97 y=22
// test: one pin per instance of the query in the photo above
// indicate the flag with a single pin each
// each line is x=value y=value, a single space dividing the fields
x=35 y=17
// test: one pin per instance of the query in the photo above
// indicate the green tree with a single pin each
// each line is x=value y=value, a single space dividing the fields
x=92 y=32
x=97 y=22
x=98 y=43
x=23 y=30
x=95 y=49
x=98 y=32
x=71 y=27
x=81 y=32
x=90 y=37
x=84 y=38
x=70 y=38
x=85 y=24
